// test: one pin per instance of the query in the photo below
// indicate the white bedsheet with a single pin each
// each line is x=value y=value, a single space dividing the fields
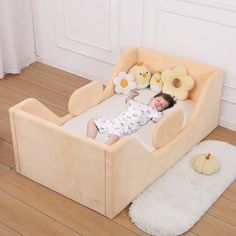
x=114 y=106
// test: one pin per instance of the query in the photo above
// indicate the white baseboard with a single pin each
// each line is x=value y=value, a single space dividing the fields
x=229 y=124
x=71 y=70
x=29 y=61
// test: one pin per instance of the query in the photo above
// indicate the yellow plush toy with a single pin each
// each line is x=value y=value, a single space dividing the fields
x=156 y=83
x=206 y=164
x=141 y=75
x=177 y=82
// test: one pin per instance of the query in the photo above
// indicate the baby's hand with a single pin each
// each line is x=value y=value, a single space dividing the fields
x=132 y=95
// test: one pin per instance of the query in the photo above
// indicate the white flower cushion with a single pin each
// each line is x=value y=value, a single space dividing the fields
x=114 y=106
x=124 y=83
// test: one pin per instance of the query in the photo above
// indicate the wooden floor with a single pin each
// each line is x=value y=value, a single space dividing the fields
x=27 y=208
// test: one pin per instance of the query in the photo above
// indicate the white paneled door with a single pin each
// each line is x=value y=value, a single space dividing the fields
x=86 y=37
x=89 y=28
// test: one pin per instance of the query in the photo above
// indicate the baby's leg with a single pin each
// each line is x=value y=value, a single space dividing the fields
x=91 y=129
x=112 y=139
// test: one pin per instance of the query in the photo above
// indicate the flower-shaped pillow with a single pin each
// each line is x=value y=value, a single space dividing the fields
x=177 y=82
x=124 y=83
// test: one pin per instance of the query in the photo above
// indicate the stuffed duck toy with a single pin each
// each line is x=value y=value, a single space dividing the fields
x=142 y=75
x=156 y=83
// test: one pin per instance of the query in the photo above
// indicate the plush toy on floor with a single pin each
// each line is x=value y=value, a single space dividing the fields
x=206 y=164
x=142 y=75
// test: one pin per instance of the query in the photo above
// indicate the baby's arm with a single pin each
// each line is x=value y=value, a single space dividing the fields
x=155 y=120
x=132 y=96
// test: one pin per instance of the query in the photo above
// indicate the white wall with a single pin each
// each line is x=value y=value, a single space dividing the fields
x=86 y=37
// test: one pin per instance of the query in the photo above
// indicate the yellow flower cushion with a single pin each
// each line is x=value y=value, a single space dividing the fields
x=177 y=82
x=206 y=164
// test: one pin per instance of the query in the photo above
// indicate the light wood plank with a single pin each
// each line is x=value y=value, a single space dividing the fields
x=230 y=193
x=58 y=74
x=3 y=168
x=45 y=82
x=60 y=208
x=7 y=231
x=10 y=97
x=189 y=233
x=209 y=225
x=29 y=90
x=28 y=221
x=224 y=209
x=4 y=114
x=223 y=134
x=124 y=220
x=5 y=133
x=6 y=153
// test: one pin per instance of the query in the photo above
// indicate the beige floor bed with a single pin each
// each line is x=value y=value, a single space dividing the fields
x=107 y=178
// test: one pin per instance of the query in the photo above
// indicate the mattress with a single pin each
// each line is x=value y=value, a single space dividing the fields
x=114 y=106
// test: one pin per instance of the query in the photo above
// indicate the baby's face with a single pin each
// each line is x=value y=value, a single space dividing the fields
x=158 y=103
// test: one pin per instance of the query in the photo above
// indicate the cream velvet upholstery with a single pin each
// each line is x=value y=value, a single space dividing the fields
x=166 y=129
x=85 y=97
x=107 y=178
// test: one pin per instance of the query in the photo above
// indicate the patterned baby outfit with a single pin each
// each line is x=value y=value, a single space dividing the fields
x=129 y=121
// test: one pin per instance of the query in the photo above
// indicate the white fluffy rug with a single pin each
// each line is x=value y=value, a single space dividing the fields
x=177 y=200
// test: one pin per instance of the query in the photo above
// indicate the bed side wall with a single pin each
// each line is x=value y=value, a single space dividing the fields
x=60 y=160
x=205 y=117
x=131 y=168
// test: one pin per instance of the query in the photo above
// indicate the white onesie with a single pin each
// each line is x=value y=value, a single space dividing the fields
x=129 y=121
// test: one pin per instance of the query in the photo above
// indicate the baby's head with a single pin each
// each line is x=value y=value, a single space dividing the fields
x=162 y=101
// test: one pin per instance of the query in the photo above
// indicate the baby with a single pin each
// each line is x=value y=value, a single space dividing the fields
x=132 y=118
